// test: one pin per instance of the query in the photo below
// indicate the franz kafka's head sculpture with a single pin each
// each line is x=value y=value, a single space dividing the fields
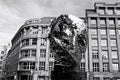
x=68 y=39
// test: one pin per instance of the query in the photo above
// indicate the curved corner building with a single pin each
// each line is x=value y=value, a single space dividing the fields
x=29 y=57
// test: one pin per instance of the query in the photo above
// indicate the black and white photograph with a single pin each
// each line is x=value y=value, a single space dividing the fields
x=59 y=39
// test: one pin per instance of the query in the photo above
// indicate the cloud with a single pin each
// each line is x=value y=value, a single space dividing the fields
x=13 y=13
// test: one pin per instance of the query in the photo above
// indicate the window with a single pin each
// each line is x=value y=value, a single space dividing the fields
x=95 y=54
x=105 y=67
x=111 y=21
x=113 y=42
x=101 y=10
x=33 y=53
x=27 y=65
x=93 y=31
x=118 y=10
x=103 y=31
x=112 y=32
x=43 y=41
x=51 y=66
x=94 y=42
x=95 y=67
x=82 y=67
x=110 y=11
x=42 y=66
x=103 y=42
x=105 y=54
x=43 y=53
x=44 y=29
x=25 y=53
x=51 y=55
x=83 y=55
x=114 y=54
x=35 y=29
x=106 y=78
x=93 y=21
x=96 y=78
x=115 y=66
x=34 y=41
x=25 y=42
x=102 y=21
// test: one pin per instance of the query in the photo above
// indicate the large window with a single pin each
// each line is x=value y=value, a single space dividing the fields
x=113 y=42
x=51 y=66
x=94 y=31
x=103 y=31
x=118 y=10
x=105 y=67
x=95 y=67
x=42 y=66
x=94 y=42
x=115 y=67
x=103 y=42
x=27 y=65
x=114 y=54
x=43 y=41
x=82 y=67
x=93 y=21
x=110 y=10
x=104 y=54
x=112 y=32
x=111 y=21
x=101 y=10
x=33 y=53
x=95 y=54
x=102 y=21
x=43 y=53
x=96 y=78
x=25 y=53
x=34 y=41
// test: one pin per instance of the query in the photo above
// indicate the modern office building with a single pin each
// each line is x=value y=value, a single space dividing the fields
x=104 y=41
x=30 y=57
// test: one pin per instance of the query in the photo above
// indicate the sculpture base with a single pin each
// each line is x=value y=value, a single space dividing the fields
x=62 y=73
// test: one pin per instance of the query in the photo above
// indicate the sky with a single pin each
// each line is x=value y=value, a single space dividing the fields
x=13 y=13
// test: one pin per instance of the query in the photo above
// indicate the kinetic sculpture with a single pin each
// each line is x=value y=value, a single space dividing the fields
x=68 y=39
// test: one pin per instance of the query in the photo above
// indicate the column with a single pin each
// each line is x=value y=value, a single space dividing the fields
x=99 y=46
x=109 y=46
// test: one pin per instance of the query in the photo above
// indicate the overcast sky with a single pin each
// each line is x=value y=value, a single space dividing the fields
x=13 y=13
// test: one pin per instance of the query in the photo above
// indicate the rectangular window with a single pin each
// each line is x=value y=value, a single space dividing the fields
x=112 y=32
x=43 y=41
x=113 y=42
x=103 y=32
x=95 y=54
x=42 y=66
x=27 y=65
x=34 y=41
x=114 y=54
x=44 y=29
x=110 y=10
x=104 y=54
x=82 y=67
x=51 y=55
x=118 y=10
x=95 y=67
x=102 y=21
x=43 y=53
x=105 y=67
x=96 y=78
x=33 y=53
x=25 y=53
x=115 y=67
x=51 y=66
x=25 y=42
x=93 y=21
x=101 y=10
x=103 y=42
x=111 y=21
x=94 y=31
x=32 y=65
x=94 y=42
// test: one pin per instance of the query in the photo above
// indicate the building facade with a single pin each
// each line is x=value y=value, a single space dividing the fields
x=104 y=41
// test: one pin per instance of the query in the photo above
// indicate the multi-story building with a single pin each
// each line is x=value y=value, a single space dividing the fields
x=29 y=57
x=104 y=41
